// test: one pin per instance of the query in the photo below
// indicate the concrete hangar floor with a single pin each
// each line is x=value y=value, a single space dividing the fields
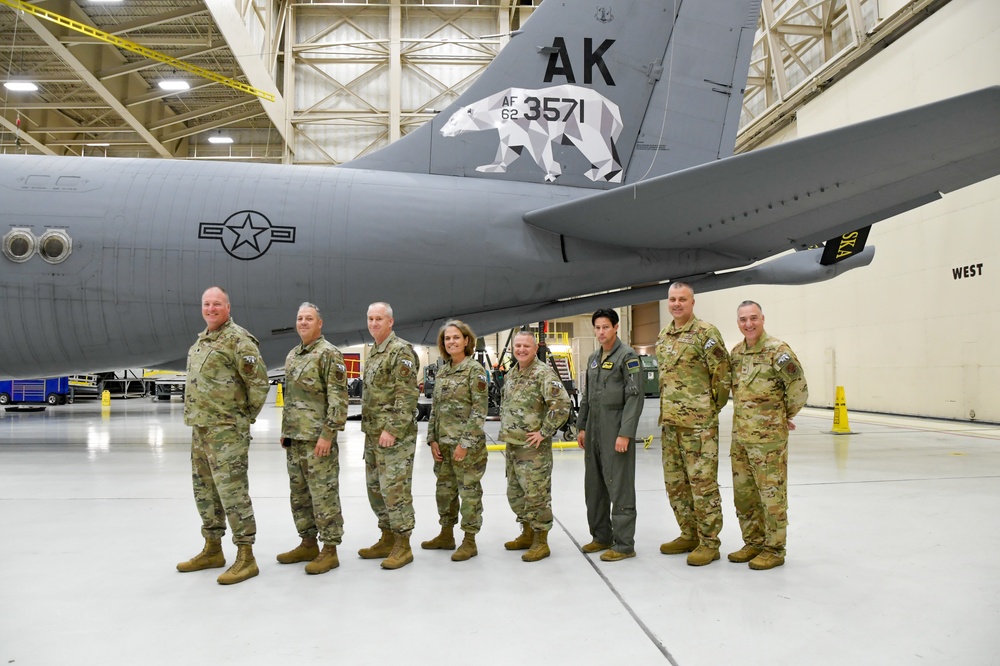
x=892 y=558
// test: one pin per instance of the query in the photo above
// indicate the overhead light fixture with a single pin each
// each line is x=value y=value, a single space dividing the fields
x=174 y=84
x=98 y=145
x=20 y=86
x=219 y=138
x=107 y=1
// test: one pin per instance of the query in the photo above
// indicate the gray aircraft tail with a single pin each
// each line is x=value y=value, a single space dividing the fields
x=595 y=95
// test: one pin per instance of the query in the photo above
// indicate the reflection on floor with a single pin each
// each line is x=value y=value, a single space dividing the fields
x=892 y=558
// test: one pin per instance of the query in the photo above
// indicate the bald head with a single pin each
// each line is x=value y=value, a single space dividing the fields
x=215 y=307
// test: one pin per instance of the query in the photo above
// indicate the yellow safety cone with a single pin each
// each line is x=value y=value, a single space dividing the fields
x=840 y=424
x=106 y=399
x=279 y=401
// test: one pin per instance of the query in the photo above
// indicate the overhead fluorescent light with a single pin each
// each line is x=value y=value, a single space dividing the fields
x=98 y=145
x=218 y=138
x=174 y=84
x=20 y=86
x=99 y=1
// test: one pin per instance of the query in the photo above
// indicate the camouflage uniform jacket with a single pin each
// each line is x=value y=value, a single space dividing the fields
x=315 y=392
x=389 y=396
x=613 y=386
x=533 y=400
x=226 y=378
x=461 y=398
x=769 y=388
x=694 y=374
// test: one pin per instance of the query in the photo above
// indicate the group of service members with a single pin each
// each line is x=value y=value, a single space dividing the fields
x=227 y=385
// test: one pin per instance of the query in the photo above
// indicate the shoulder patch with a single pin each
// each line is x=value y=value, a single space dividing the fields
x=782 y=360
x=249 y=363
x=632 y=365
x=711 y=342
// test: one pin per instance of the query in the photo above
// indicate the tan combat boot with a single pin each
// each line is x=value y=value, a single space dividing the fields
x=767 y=560
x=522 y=542
x=595 y=546
x=467 y=550
x=324 y=561
x=616 y=556
x=539 y=547
x=305 y=551
x=243 y=568
x=703 y=555
x=380 y=549
x=443 y=541
x=401 y=554
x=681 y=544
x=210 y=557
x=744 y=554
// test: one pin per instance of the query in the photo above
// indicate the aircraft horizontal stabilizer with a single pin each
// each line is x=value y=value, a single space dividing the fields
x=801 y=193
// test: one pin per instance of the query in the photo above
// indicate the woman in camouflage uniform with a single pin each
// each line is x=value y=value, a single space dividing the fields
x=458 y=443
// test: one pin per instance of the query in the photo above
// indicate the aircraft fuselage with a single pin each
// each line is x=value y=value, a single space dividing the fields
x=149 y=236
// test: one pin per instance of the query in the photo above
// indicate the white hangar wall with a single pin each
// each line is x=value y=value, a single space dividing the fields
x=915 y=332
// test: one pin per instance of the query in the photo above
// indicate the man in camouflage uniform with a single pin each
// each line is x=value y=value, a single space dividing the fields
x=769 y=389
x=457 y=440
x=315 y=409
x=225 y=391
x=609 y=415
x=694 y=387
x=533 y=407
x=389 y=421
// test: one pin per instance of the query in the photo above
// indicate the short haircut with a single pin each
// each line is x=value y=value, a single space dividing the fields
x=388 y=308
x=470 y=337
x=224 y=292
x=748 y=303
x=680 y=285
x=526 y=332
x=607 y=313
x=307 y=304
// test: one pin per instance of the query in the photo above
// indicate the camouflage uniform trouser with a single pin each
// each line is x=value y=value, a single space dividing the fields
x=219 y=476
x=461 y=479
x=529 y=483
x=389 y=475
x=690 y=473
x=760 y=491
x=315 y=491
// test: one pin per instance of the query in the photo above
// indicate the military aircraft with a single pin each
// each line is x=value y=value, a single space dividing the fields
x=588 y=166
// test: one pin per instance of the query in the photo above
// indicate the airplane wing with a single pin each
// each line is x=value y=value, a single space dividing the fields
x=799 y=193
x=791 y=269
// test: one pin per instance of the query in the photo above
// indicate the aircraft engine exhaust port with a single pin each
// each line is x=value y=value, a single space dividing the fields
x=19 y=245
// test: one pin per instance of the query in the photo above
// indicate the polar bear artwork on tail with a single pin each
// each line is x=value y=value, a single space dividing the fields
x=530 y=120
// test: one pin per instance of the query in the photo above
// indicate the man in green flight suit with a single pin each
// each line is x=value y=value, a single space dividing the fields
x=609 y=415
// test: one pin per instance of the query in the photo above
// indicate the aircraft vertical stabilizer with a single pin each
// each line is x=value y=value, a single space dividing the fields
x=626 y=90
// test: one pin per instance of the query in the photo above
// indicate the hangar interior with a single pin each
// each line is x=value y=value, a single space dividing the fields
x=97 y=507
x=350 y=77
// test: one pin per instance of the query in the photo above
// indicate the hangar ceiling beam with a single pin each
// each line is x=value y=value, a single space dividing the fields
x=250 y=51
x=12 y=127
x=86 y=72
x=159 y=19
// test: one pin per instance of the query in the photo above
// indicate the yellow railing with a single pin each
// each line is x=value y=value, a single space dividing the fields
x=122 y=43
